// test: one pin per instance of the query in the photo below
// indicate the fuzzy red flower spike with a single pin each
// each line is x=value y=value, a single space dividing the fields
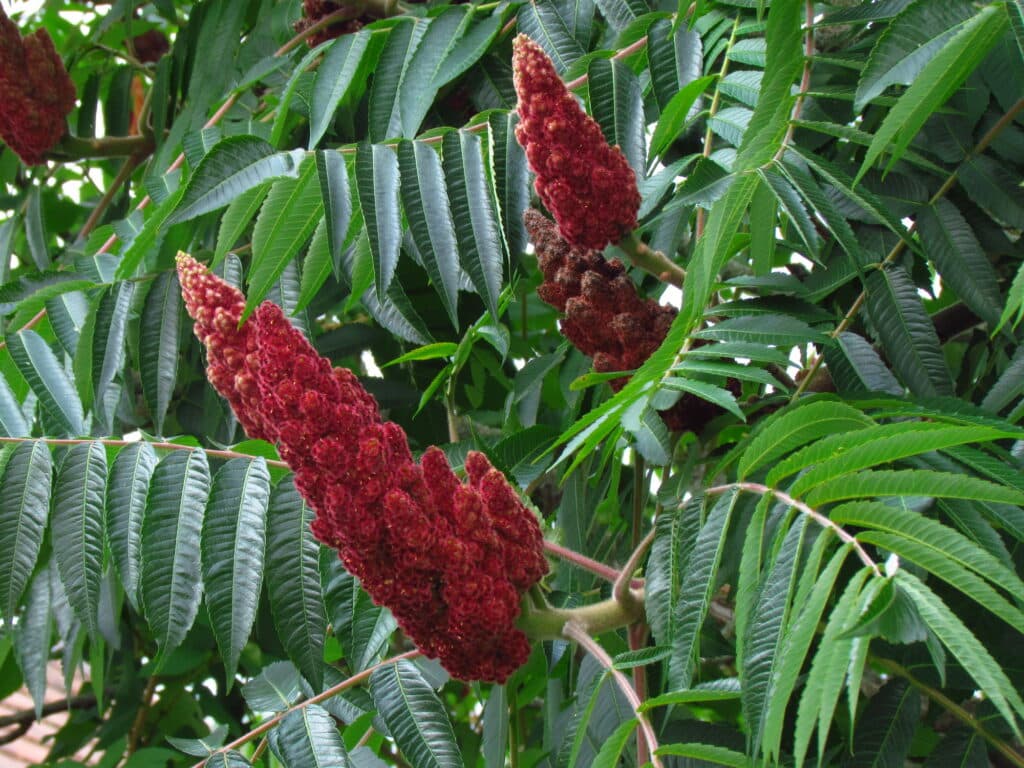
x=36 y=94
x=586 y=184
x=451 y=559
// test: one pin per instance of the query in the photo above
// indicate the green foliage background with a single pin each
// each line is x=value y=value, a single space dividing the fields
x=835 y=561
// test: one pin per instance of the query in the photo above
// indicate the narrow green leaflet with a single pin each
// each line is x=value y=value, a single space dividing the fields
x=906 y=45
x=126 y=505
x=233 y=544
x=766 y=630
x=723 y=398
x=743 y=85
x=620 y=13
x=309 y=738
x=1014 y=302
x=676 y=114
x=1015 y=10
x=76 y=527
x=912 y=483
x=24 y=508
x=471 y=46
x=147 y=243
x=48 y=380
x=337 y=81
x=29 y=292
x=828 y=669
x=965 y=646
x=511 y=179
x=778 y=330
x=236 y=219
x=159 y=343
x=616 y=104
x=835 y=444
x=796 y=643
x=991 y=185
x=397 y=314
x=708 y=753
x=944 y=73
x=476 y=221
x=543 y=24
x=430 y=220
x=293 y=581
x=32 y=637
x=334 y=188
x=696 y=588
x=792 y=428
x=316 y=268
x=1008 y=387
x=949 y=242
x=723 y=689
x=35 y=231
x=232 y=167
x=950 y=544
x=275 y=688
x=385 y=119
x=289 y=215
x=890 y=448
x=495 y=726
x=417 y=92
x=67 y=313
x=378 y=179
x=108 y=350
x=675 y=532
x=652 y=438
x=822 y=206
x=934 y=561
x=907 y=333
x=170 y=583
x=415 y=716
x=856 y=367
x=12 y=420
x=361 y=627
x=611 y=751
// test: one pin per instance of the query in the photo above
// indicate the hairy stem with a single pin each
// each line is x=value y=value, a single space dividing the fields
x=578 y=632
x=549 y=623
x=812 y=513
x=334 y=690
x=595 y=567
x=652 y=261
x=621 y=590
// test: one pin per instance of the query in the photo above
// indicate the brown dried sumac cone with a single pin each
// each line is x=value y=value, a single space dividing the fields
x=586 y=184
x=604 y=316
x=36 y=93
x=451 y=559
